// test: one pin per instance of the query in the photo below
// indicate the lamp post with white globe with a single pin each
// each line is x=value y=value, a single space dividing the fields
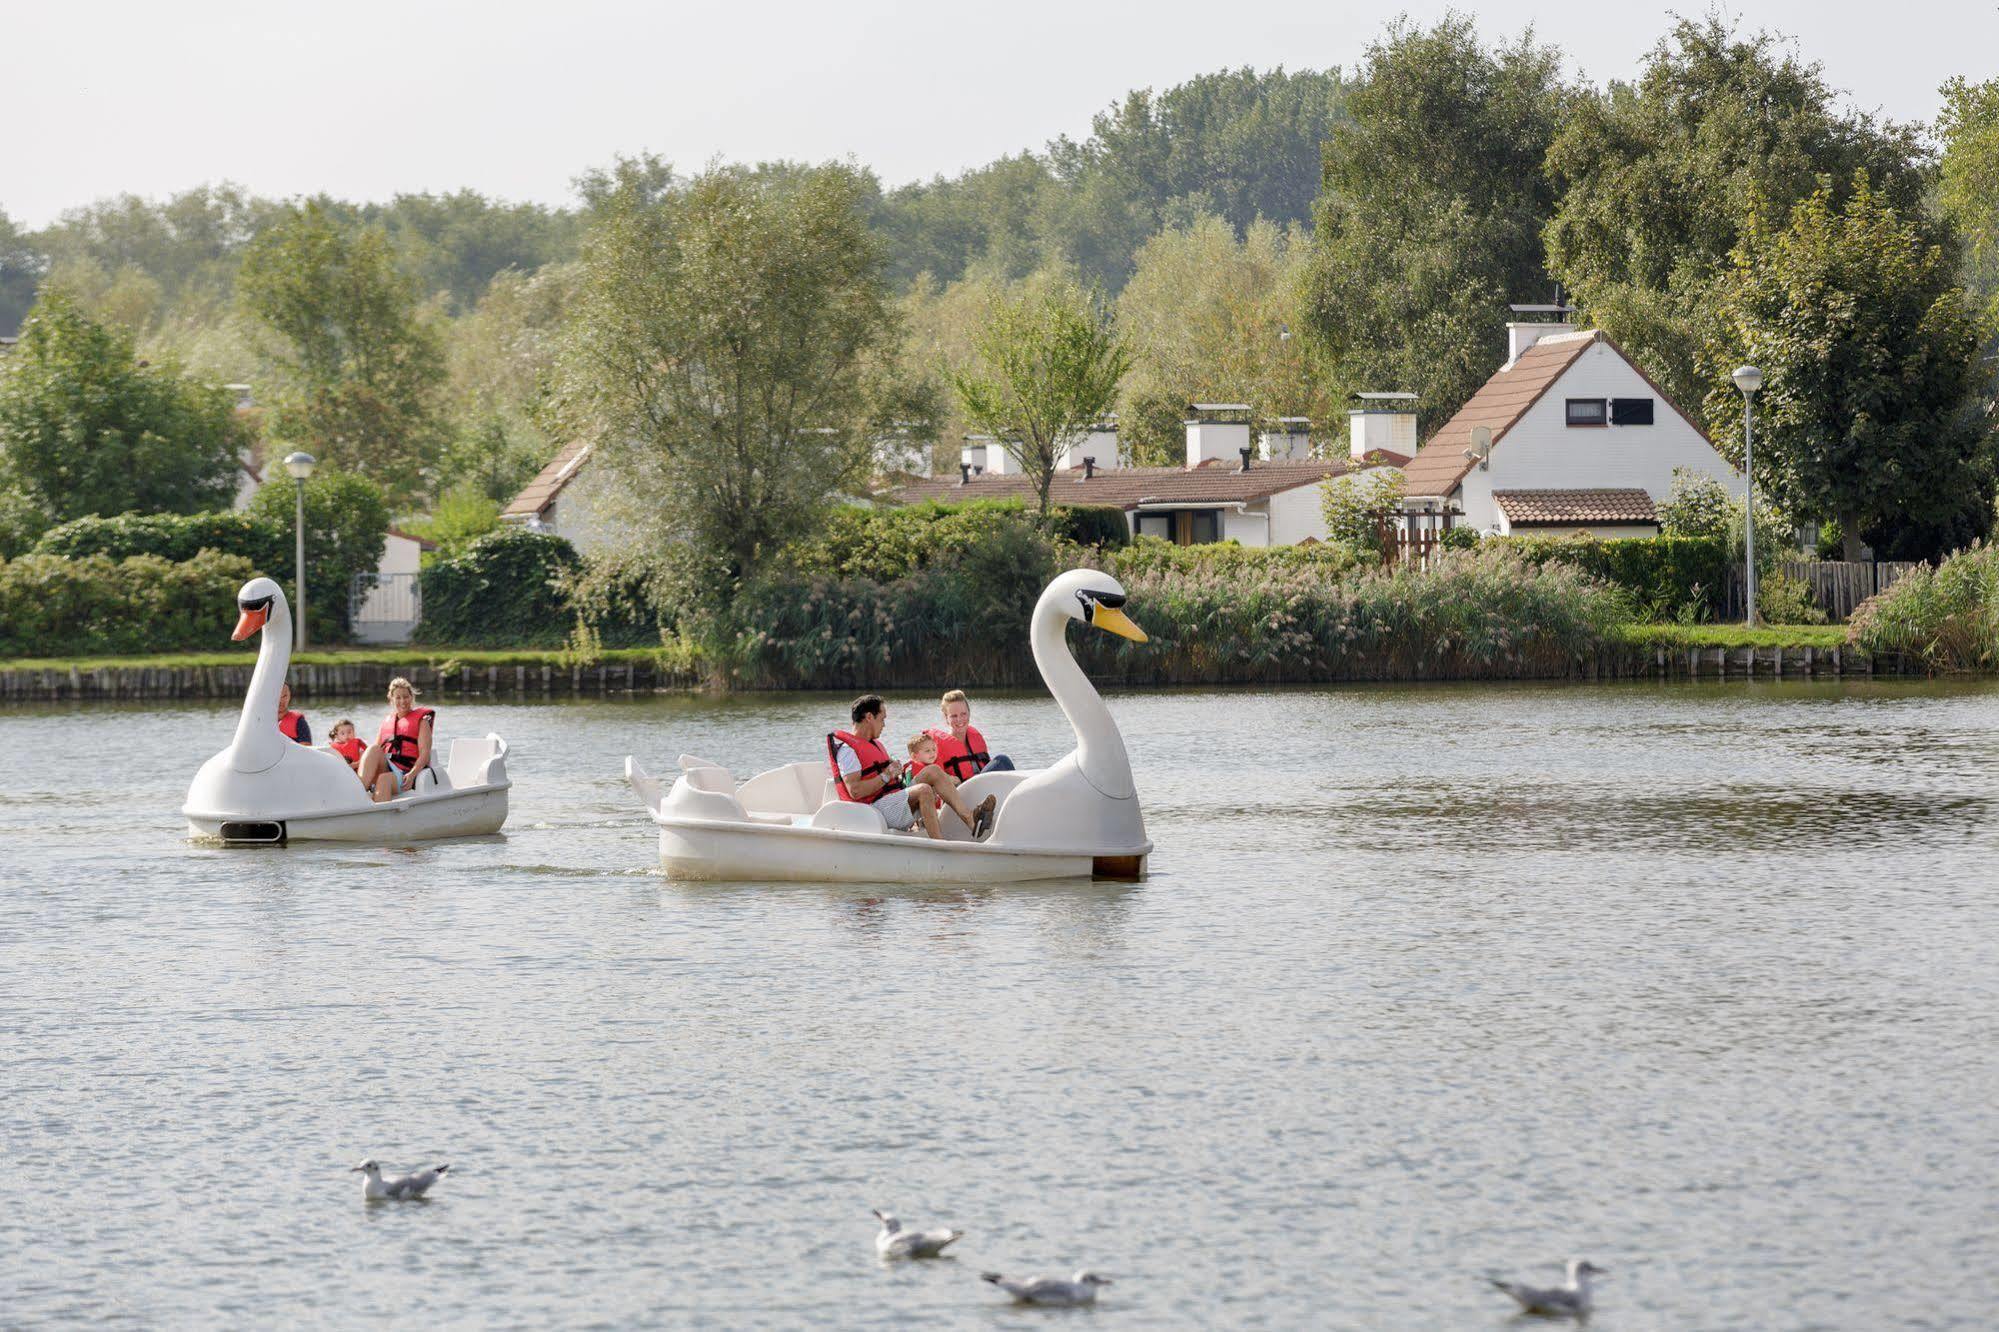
x=1749 y=379
x=300 y=465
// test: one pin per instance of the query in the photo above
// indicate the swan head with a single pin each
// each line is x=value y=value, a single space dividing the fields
x=1094 y=598
x=254 y=601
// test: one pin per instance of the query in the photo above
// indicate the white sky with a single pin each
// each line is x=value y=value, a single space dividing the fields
x=368 y=98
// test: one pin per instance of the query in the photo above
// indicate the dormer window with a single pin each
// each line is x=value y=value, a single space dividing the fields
x=1588 y=412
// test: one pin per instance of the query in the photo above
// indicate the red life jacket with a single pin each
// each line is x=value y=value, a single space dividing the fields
x=288 y=724
x=399 y=737
x=874 y=762
x=963 y=759
x=349 y=749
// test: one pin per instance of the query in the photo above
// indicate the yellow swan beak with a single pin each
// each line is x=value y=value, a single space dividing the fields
x=1115 y=620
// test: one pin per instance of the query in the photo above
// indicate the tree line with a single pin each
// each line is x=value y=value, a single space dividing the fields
x=742 y=340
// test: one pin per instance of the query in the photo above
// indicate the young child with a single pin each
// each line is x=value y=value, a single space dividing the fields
x=922 y=753
x=346 y=744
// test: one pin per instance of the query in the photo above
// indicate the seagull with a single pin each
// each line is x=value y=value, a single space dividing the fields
x=1569 y=1301
x=1052 y=1292
x=895 y=1242
x=400 y=1189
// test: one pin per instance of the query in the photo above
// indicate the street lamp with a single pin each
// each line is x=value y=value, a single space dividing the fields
x=300 y=465
x=1749 y=379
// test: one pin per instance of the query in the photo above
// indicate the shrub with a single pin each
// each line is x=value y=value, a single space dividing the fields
x=1666 y=577
x=883 y=544
x=1782 y=599
x=176 y=537
x=346 y=528
x=1946 y=617
x=50 y=605
x=1474 y=614
x=506 y=590
x=1099 y=525
x=1227 y=559
x=22 y=523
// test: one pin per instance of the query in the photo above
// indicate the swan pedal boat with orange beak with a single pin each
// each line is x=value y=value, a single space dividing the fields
x=1077 y=819
x=265 y=788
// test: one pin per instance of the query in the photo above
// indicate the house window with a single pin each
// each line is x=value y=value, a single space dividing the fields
x=1205 y=529
x=1586 y=411
x=1156 y=525
x=1631 y=411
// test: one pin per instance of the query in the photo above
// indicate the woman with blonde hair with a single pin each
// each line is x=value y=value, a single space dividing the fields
x=402 y=750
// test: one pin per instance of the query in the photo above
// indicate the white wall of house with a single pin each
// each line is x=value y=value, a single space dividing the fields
x=1607 y=533
x=1543 y=452
x=1296 y=514
x=580 y=515
x=388 y=614
x=1251 y=526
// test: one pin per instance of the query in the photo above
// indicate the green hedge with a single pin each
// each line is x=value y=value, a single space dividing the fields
x=51 y=605
x=172 y=536
x=1668 y=578
x=506 y=590
x=1226 y=559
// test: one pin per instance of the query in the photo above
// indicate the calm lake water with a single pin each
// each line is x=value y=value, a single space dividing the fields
x=1699 y=981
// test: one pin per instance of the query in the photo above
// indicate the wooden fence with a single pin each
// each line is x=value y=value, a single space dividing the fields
x=1838 y=586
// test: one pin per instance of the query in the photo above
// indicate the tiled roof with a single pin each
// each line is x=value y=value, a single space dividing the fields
x=1499 y=404
x=538 y=494
x=1129 y=487
x=1530 y=508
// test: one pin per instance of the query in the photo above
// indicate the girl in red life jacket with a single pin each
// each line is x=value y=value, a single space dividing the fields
x=402 y=749
x=292 y=724
x=922 y=753
x=346 y=744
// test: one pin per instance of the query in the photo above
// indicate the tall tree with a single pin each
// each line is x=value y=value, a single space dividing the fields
x=1659 y=177
x=1045 y=365
x=720 y=351
x=1869 y=354
x=357 y=367
x=1210 y=319
x=1430 y=221
x=21 y=267
x=1968 y=197
x=86 y=428
x=501 y=360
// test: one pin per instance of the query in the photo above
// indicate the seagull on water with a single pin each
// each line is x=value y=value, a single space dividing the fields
x=400 y=1189
x=895 y=1242
x=1569 y=1301
x=1051 y=1292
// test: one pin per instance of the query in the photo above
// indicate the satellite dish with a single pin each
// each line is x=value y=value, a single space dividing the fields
x=1481 y=446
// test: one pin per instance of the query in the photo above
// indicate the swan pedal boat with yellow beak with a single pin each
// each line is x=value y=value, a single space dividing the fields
x=1079 y=818
x=266 y=788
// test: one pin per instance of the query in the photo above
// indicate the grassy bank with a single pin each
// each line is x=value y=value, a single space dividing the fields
x=429 y=658
x=1822 y=636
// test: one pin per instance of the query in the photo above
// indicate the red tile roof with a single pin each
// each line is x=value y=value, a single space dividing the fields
x=538 y=494
x=1499 y=404
x=1129 y=487
x=1534 y=508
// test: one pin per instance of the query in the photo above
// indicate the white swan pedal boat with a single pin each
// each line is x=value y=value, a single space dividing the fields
x=1076 y=819
x=266 y=788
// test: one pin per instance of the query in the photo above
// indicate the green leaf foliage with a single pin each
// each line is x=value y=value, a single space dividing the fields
x=86 y=428
x=176 y=537
x=1430 y=221
x=722 y=349
x=505 y=590
x=1946 y=617
x=1869 y=411
x=1659 y=177
x=1046 y=364
x=357 y=370
x=51 y=604
x=346 y=527
x=1666 y=577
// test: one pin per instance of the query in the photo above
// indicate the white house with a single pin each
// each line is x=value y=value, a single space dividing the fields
x=567 y=498
x=1569 y=436
x=1225 y=492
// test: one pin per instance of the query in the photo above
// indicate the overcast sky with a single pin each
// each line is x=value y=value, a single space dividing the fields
x=368 y=98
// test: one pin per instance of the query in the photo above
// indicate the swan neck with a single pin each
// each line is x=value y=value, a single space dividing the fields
x=1100 y=749
x=258 y=742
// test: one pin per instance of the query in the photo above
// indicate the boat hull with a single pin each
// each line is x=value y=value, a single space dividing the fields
x=736 y=852
x=466 y=813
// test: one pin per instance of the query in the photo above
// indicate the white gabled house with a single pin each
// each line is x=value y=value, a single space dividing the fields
x=1569 y=436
